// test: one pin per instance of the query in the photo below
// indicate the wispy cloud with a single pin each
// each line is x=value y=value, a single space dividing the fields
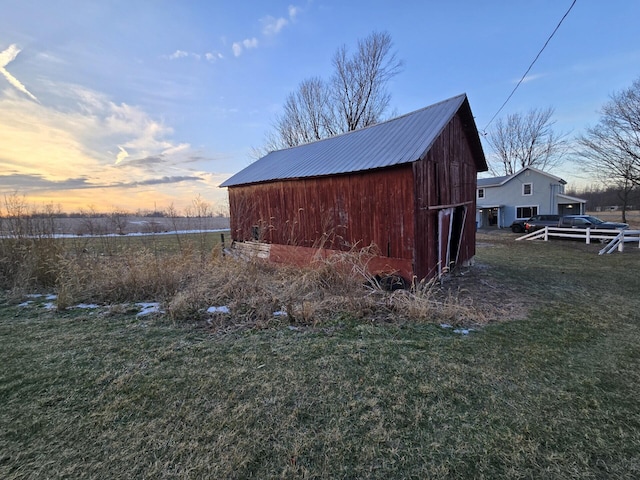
x=246 y=44
x=40 y=182
x=122 y=155
x=208 y=56
x=272 y=25
x=6 y=57
x=164 y=180
x=178 y=54
x=531 y=78
x=213 y=56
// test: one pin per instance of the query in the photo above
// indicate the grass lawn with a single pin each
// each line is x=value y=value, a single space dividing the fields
x=556 y=394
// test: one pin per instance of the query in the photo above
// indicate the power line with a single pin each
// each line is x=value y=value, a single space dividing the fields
x=530 y=66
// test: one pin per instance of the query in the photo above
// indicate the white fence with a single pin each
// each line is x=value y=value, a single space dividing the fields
x=615 y=239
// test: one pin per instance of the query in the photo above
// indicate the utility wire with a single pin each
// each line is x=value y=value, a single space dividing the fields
x=530 y=66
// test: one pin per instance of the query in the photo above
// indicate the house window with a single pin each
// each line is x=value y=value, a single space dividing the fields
x=526 y=212
x=527 y=189
x=481 y=193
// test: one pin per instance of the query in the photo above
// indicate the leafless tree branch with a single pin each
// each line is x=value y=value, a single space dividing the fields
x=527 y=140
x=355 y=96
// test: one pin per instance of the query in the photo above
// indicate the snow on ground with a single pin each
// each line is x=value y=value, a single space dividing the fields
x=48 y=303
x=460 y=331
x=148 y=308
x=132 y=234
x=222 y=309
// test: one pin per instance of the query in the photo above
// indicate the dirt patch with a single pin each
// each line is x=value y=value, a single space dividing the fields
x=476 y=287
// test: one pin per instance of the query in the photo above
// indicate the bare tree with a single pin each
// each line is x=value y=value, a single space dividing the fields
x=611 y=149
x=356 y=96
x=308 y=115
x=527 y=140
x=359 y=83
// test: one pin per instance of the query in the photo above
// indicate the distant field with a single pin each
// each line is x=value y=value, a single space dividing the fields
x=633 y=217
x=114 y=224
x=161 y=243
x=142 y=224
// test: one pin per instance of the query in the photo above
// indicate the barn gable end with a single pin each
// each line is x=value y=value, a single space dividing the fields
x=445 y=184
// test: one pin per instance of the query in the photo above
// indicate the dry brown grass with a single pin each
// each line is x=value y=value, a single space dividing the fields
x=187 y=284
x=187 y=277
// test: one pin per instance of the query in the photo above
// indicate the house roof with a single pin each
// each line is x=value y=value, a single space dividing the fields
x=570 y=199
x=493 y=181
x=498 y=181
x=401 y=140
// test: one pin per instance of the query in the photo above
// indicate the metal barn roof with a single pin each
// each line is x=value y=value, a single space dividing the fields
x=401 y=140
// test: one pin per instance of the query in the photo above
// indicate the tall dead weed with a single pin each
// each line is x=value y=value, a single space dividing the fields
x=188 y=284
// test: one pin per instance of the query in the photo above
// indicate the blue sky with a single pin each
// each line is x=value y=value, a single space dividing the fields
x=142 y=104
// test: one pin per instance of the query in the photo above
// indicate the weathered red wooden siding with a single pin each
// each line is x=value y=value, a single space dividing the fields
x=337 y=212
x=445 y=177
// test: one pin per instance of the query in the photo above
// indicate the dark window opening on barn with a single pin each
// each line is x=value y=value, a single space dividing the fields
x=527 y=189
x=437 y=184
x=526 y=212
x=255 y=232
x=481 y=193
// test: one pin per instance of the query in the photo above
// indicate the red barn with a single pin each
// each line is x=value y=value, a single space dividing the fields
x=407 y=186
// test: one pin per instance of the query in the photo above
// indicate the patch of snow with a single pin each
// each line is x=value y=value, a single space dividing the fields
x=49 y=306
x=463 y=331
x=86 y=305
x=280 y=313
x=26 y=304
x=34 y=295
x=51 y=297
x=222 y=309
x=148 y=308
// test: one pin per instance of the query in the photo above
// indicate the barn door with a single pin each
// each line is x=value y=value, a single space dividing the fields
x=450 y=229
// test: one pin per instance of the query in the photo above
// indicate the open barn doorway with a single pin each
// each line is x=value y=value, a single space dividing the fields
x=451 y=223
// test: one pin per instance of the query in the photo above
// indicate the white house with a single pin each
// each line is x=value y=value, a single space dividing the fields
x=528 y=192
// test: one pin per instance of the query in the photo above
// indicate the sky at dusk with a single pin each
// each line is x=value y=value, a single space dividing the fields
x=141 y=104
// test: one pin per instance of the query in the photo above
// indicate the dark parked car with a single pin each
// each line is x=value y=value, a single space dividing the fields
x=518 y=226
x=540 y=221
x=587 y=221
